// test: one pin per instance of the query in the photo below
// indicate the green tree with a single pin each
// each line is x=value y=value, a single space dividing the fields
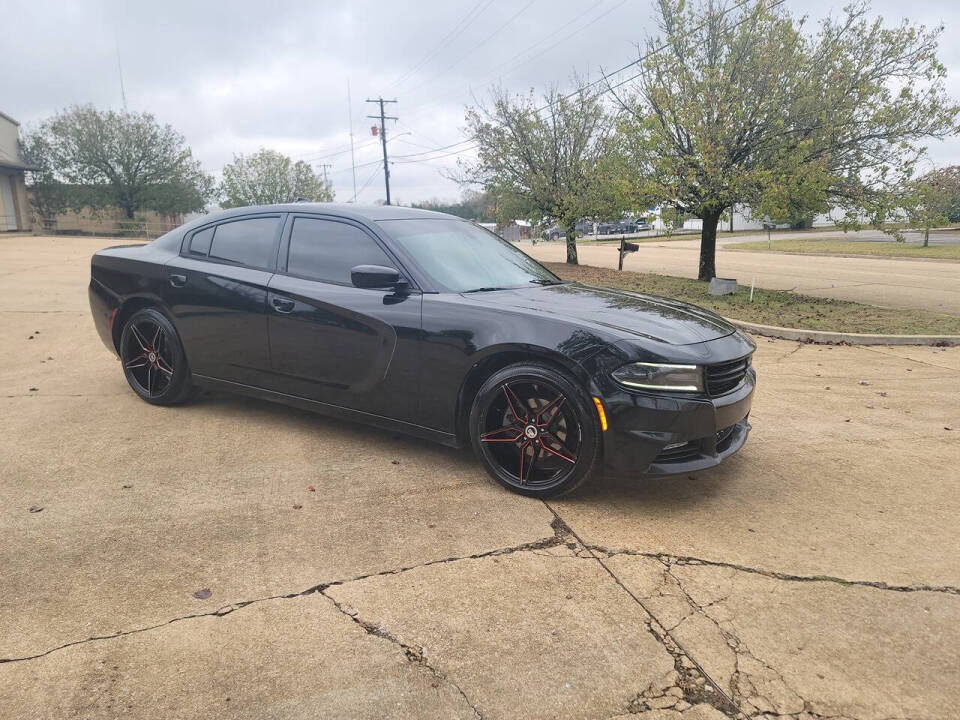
x=473 y=205
x=268 y=177
x=925 y=203
x=740 y=103
x=546 y=162
x=97 y=159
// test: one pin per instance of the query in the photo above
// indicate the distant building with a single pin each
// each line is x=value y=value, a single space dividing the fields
x=14 y=210
x=515 y=230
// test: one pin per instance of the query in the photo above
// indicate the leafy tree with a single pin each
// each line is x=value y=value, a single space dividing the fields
x=473 y=205
x=97 y=159
x=741 y=104
x=547 y=161
x=268 y=177
x=925 y=203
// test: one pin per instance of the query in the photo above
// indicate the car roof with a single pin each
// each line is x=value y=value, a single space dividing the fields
x=361 y=213
x=347 y=210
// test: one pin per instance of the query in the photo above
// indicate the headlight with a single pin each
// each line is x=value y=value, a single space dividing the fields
x=656 y=376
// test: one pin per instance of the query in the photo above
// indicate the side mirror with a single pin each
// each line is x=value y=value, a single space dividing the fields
x=376 y=277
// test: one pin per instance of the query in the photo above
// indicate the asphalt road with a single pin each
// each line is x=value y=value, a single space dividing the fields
x=922 y=284
x=238 y=559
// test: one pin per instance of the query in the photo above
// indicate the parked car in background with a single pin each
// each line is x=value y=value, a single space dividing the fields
x=585 y=227
x=554 y=232
x=606 y=228
x=424 y=323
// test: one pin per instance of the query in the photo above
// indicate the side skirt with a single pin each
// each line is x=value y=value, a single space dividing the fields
x=358 y=416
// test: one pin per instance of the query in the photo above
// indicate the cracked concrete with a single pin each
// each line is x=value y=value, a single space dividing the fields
x=814 y=575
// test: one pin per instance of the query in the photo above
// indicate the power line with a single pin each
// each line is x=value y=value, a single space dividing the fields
x=462 y=25
x=545 y=38
x=447 y=68
x=609 y=88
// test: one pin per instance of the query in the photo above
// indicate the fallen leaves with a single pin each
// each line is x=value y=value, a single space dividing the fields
x=36 y=509
x=203 y=594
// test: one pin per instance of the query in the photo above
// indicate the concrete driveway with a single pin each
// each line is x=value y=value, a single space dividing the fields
x=921 y=284
x=237 y=559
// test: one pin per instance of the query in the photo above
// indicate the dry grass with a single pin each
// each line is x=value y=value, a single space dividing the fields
x=883 y=248
x=770 y=307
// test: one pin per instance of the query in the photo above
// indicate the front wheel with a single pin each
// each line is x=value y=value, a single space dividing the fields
x=153 y=359
x=534 y=431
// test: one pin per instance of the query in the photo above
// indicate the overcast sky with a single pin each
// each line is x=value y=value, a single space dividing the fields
x=234 y=77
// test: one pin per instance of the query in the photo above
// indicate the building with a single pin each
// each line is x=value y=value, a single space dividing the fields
x=14 y=210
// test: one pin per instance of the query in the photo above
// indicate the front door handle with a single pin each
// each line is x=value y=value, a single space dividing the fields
x=178 y=280
x=282 y=305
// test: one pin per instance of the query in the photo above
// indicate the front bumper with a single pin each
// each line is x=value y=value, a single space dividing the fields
x=661 y=434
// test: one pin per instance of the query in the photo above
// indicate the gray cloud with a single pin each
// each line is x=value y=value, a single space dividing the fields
x=238 y=76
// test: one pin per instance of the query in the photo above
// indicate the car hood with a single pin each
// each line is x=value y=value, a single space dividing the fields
x=631 y=314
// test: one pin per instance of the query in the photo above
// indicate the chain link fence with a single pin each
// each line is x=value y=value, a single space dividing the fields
x=145 y=229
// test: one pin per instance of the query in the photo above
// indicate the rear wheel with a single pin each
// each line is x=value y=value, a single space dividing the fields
x=534 y=431
x=153 y=359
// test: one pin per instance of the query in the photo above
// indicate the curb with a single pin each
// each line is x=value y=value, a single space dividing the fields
x=840 y=338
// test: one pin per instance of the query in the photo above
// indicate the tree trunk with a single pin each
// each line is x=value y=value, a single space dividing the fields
x=708 y=245
x=128 y=210
x=926 y=237
x=572 y=242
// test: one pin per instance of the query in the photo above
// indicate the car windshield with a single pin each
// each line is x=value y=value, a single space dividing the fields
x=461 y=257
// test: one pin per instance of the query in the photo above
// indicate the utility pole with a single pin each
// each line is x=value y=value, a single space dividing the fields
x=353 y=160
x=383 y=140
x=324 y=166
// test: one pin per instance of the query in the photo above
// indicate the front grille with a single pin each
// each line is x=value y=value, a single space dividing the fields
x=724 y=377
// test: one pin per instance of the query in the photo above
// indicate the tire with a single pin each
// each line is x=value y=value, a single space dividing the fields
x=153 y=359
x=535 y=431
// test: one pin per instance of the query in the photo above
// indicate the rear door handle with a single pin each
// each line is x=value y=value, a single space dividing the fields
x=282 y=305
x=178 y=280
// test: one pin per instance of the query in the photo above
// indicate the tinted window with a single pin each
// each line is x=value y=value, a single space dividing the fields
x=326 y=250
x=200 y=243
x=247 y=242
x=461 y=257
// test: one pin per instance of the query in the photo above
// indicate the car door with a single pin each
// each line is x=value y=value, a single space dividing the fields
x=217 y=292
x=336 y=343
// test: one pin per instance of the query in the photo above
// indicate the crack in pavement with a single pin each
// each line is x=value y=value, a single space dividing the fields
x=743 y=689
x=789 y=577
x=677 y=651
x=909 y=359
x=320 y=588
x=413 y=653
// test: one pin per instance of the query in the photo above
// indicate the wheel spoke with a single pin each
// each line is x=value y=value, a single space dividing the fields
x=137 y=362
x=563 y=453
x=156 y=339
x=497 y=435
x=553 y=408
x=524 y=470
x=514 y=402
x=139 y=338
x=163 y=367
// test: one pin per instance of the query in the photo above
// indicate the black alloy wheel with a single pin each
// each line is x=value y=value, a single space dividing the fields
x=534 y=431
x=153 y=359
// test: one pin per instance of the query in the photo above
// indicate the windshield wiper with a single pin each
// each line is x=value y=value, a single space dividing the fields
x=538 y=281
x=485 y=289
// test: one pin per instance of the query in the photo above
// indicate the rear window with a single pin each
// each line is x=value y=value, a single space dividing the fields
x=245 y=242
x=200 y=242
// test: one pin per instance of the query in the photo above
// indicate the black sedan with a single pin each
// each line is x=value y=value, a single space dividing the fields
x=427 y=324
